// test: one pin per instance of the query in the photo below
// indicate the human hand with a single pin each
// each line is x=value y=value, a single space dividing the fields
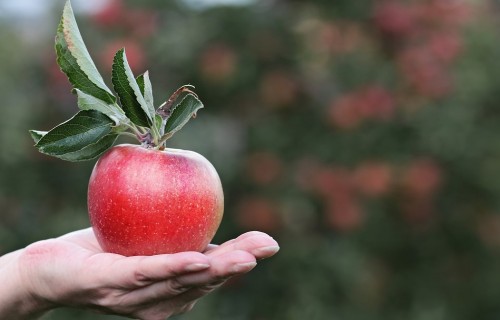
x=72 y=270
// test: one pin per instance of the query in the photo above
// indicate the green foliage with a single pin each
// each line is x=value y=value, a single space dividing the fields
x=181 y=113
x=72 y=140
x=75 y=60
x=83 y=137
x=146 y=90
x=131 y=98
x=88 y=102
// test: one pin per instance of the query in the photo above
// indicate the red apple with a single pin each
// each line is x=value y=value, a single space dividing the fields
x=145 y=201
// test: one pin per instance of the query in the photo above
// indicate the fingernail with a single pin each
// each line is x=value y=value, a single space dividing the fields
x=267 y=250
x=243 y=267
x=196 y=267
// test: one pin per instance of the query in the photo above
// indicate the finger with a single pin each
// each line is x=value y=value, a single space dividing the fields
x=211 y=247
x=222 y=268
x=257 y=243
x=190 y=297
x=230 y=245
x=131 y=272
x=173 y=290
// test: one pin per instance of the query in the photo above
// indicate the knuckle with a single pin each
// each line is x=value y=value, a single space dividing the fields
x=106 y=299
x=139 y=278
x=206 y=290
x=175 y=287
x=113 y=302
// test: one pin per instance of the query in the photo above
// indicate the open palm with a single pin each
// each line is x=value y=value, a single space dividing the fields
x=72 y=270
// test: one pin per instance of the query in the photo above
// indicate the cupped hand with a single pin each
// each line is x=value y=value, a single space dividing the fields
x=72 y=270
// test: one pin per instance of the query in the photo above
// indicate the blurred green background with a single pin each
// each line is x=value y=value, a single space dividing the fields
x=363 y=135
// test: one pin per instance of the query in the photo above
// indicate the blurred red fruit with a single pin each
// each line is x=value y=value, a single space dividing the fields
x=218 y=63
x=444 y=12
x=332 y=183
x=446 y=46
x=394 y=18
x=344 y=215
x=373 y=179
x=344 y=113
x=425 y=73
x=141 y=23
x=110 y=15
x=279 y=88
x=263 y=167
x=256 y=213
x=135 y=55
x=422 y=178
x=376 y=103
x=370 y=102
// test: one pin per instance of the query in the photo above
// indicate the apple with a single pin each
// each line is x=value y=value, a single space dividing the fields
x=144 y=201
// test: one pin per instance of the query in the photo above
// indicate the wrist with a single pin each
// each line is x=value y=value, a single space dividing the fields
x=17 y=298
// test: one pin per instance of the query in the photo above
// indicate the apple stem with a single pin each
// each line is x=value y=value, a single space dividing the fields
x=147 y=140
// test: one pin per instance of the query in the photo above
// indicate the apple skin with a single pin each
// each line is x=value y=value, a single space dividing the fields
x=145 y=202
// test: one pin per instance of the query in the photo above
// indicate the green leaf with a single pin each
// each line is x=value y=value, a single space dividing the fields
x=146 y=88
x=131 y=99
x=86 y=128
x=147 y=92
x=88 y=102
x=75 y=60
x=92 y=150
x=140 y=83
x=165 y=110
x=37 y=135
x=160 y=124
x=181 y=114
